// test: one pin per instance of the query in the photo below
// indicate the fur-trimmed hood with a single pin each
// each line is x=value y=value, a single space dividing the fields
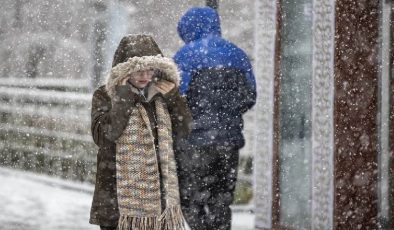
x=134 y=64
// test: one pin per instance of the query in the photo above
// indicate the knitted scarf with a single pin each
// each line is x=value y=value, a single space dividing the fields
x=137 y=167
x=137 y=173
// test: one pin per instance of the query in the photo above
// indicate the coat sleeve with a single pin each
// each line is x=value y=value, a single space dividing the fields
x=110 y=117
x=181 y=117
x=247 y=85
x=182 y=59
x=238 y=95
x=247 y=97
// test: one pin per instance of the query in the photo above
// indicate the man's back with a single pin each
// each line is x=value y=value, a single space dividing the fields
x=217 y=99
x=217 y=78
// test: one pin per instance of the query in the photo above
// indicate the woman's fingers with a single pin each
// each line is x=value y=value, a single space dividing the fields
x=169 y=85
x=124 y=81
x=159 y=89
x=164 y=86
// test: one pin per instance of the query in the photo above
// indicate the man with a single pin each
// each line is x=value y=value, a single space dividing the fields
x=218 y=81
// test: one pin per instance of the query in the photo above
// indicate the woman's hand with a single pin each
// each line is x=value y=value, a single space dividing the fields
x=124 y=81
x=164 y=86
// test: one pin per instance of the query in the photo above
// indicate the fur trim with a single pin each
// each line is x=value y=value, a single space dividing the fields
x=134 y=64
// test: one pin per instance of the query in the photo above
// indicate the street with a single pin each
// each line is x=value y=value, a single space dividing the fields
x=36 y=202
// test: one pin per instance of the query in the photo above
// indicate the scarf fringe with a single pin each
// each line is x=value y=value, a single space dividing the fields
x=171 y=219
x=140 y=223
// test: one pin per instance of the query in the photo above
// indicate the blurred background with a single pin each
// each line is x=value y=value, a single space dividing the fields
x=318 y=151
x=53 y=54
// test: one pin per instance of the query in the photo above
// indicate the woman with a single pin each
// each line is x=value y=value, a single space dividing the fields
x=136 y=117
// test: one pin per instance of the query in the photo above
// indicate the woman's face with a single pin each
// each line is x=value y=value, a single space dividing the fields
x=141 y=79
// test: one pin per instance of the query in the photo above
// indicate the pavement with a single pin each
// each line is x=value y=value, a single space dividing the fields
x=37 y=202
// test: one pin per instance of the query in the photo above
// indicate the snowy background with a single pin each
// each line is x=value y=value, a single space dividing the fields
x=53 y=54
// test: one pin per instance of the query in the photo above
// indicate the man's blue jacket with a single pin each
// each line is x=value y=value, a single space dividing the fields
x=216 y=77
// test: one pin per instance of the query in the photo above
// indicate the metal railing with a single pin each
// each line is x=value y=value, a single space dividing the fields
x=44 y=127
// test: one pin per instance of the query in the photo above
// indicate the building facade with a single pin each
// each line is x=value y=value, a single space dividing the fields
x=323 y=152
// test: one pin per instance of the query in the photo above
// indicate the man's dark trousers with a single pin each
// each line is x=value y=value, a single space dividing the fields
x=207 y=177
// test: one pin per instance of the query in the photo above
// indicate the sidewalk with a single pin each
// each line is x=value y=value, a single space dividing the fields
x=37 y=202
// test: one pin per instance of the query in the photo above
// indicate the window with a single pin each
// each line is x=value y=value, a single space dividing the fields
x=295 y=114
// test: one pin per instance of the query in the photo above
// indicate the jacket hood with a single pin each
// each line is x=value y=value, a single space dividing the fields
x=135 y=64
x=135 y=46
x=138 y=53
x=197 y=23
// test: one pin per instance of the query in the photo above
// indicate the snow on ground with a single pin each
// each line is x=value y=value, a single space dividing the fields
x=30 y=202
x=35 y=202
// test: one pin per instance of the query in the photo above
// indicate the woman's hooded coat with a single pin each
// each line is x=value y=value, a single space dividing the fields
x=117 y=109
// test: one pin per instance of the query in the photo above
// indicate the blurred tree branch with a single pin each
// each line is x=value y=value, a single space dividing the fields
x=213 y=4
